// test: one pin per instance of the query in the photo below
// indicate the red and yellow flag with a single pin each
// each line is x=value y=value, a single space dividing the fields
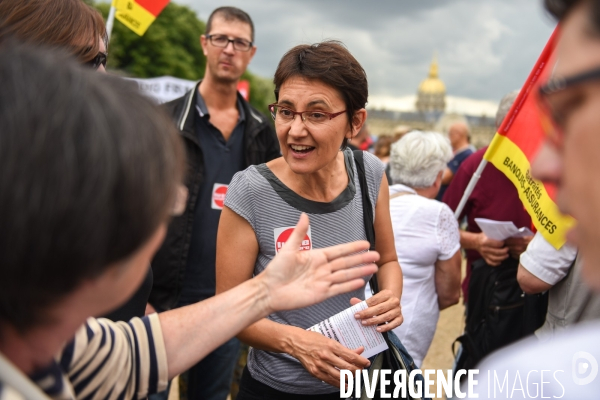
x=516 y=143
x=138 y=15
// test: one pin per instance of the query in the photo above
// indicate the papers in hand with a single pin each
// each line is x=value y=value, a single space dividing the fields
x=349 y=331
x=501 y=230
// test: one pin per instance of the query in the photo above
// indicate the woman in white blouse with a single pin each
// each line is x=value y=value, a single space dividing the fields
x=426 y=236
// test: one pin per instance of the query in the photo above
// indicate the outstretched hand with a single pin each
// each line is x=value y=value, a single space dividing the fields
x=296 y=279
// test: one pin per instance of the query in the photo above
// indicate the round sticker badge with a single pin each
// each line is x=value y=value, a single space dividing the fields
x=283 y=234
x=218 y=196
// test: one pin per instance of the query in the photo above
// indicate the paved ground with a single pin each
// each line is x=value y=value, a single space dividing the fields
x=449 y=327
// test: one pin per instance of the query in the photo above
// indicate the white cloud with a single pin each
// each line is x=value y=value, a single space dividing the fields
x=485 y=48
x=463 y=105
x=404 y=103
x=459 y=105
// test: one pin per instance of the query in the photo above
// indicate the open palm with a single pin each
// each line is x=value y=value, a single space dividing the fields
x=296 y=279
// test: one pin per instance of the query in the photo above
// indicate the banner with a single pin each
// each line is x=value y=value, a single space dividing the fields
x=516 y=143
x=138 y=15
x=244 y=88
x=167 y=88
x=164 y=88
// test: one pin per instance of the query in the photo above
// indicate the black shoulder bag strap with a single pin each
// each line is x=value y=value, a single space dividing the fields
x=367 y=209
x=389 y=361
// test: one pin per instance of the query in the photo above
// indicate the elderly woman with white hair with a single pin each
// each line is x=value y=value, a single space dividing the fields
x=426 y=236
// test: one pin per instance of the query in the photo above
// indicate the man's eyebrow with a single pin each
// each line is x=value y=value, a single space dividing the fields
x=285 y=102
x=227 y=36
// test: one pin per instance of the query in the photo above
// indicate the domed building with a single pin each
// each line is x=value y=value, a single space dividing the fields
x=431 y=96
x=430 y=112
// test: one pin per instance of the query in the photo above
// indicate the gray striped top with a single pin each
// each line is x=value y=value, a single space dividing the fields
x=268 y=205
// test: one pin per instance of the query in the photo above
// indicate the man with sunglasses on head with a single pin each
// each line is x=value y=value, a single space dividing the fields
x=223 y=134
x=569 y=159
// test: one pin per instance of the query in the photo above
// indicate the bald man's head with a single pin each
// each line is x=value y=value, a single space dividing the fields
x=459 y=135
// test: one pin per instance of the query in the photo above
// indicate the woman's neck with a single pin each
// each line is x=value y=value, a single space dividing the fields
x=35 y=348
x=430 y=192
x=323 y=185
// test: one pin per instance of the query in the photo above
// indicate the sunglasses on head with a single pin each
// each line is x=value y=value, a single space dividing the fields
x=100 y=59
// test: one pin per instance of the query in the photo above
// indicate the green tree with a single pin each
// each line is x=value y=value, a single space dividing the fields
x=171 y=46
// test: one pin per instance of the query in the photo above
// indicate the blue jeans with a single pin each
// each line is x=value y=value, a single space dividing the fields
x=211 y=378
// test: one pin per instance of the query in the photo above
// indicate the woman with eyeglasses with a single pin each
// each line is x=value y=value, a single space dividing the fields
x=78 y=29
x=321 y=92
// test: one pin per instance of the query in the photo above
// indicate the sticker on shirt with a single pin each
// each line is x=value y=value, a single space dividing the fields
x=282 y=235
x=218 y=196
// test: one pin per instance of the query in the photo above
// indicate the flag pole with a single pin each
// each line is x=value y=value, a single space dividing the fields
x=506 y=124
x=110 y=21
x=470 y=187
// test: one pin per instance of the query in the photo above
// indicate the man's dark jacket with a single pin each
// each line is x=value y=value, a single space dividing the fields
x=260 y=146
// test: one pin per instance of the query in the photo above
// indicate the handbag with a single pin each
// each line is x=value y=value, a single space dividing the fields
x=396 y=357
x=498 y=312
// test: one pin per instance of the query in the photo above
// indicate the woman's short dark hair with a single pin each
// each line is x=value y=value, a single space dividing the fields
x=561 y=8
x=331 y=63
x=88 y=172
x=68 y=24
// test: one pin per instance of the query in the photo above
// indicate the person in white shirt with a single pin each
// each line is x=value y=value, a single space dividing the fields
x=542 y=266
x=566 y=366
x=558 y=271
x=426 y=237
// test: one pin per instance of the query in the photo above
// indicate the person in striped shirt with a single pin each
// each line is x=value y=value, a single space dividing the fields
x=90 y=173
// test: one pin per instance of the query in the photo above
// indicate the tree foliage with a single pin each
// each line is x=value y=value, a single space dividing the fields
x=171 y=46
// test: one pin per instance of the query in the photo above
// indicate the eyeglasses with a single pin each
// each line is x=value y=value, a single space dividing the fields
x=223 y=41
x=100 y=59
x=552 y=117
x=285 y=115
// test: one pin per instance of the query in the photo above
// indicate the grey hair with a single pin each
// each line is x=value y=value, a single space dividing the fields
x=417 y=158
x=505 y=105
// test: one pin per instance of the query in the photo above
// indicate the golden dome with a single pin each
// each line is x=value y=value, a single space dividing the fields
x=433 y=84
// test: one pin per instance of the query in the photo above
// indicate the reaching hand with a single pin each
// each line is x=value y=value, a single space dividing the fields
x=296 y=279
x=492 y=251
x=384 y=310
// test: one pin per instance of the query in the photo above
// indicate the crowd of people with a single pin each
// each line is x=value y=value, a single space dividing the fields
x=142 y=242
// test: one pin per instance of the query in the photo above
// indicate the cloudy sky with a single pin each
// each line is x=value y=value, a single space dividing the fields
x=485 y=48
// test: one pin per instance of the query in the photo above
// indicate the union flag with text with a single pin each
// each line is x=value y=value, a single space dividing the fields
x=516 y=143
x=138 y=15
